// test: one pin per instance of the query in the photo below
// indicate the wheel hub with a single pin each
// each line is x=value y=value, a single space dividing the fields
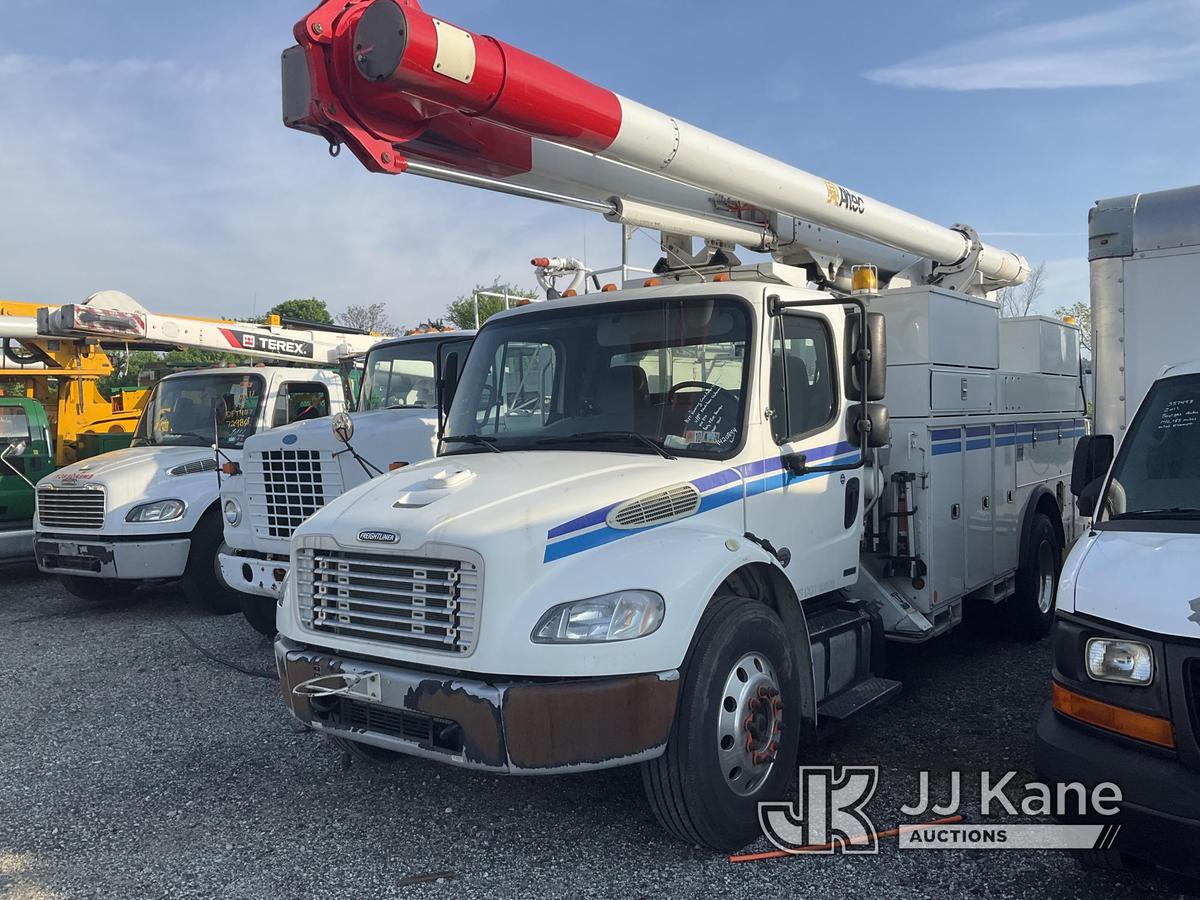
x=749 y=724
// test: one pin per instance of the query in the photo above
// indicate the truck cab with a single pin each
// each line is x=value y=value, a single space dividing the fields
x=1126 y=692
x=26 y=455
x=151 y=511
x=644 y=539
x=289 y=473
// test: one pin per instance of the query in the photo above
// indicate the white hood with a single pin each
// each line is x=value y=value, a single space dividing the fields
x=1147 y=580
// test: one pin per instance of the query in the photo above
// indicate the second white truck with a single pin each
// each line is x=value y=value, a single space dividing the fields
x=288 y=474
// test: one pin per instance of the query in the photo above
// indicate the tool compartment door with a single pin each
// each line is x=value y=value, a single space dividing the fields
x=946 y=541
x=978 y=505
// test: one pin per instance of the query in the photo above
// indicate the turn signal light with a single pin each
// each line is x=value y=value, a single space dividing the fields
x=392 y=467
x=608 y=288
x=1117 y=719
x=721 y=277
x=864 y=280
x=652 y=282
x=231 y=468
x=570 y=292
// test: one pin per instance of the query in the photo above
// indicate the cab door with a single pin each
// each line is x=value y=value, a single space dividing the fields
x=811 y=518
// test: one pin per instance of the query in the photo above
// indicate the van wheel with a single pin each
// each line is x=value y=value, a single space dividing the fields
x=736 y=731
x=97 y=589
x=367 y=753
x=201 y=583
x=259 y=612
x=1030 y=610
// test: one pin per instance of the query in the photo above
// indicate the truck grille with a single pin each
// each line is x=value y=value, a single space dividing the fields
x=285 y=487
x=428 y=603
x=71 y=507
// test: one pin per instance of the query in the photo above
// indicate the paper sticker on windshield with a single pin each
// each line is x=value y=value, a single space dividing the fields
x=268 y=343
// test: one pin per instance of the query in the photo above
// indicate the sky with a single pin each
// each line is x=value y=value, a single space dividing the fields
x=141 y=144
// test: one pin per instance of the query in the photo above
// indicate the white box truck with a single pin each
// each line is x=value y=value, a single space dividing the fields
x=1126 y=689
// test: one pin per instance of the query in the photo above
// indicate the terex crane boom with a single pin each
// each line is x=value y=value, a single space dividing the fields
x=408 y=92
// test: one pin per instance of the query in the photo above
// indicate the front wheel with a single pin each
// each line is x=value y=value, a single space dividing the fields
x=201 y=583
x=259 y=612
x=736 y=732
x=97 y=589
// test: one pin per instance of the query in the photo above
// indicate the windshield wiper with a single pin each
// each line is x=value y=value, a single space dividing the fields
x=607 y=437
x=472 y=439
x=1171 y=512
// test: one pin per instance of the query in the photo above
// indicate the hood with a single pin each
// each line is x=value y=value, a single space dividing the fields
x=524 y=495
x=1147 y=580
x=143 y=463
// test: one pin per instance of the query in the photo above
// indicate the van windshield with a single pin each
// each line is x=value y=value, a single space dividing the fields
x=190 y=410
x=1157 y=471
x=662 y=376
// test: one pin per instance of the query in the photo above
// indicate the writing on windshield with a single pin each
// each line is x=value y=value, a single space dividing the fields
x=199 y=410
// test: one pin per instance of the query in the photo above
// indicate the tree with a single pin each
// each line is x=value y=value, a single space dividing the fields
x=371 y=318
x=1081 y=312
x=309 y=309
x=1019 y=300
x=461 y=312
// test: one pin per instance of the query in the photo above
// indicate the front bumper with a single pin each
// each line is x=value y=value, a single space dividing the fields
x=498 y=725
x=1160 y=810
x=251 y=575
x=97 y=557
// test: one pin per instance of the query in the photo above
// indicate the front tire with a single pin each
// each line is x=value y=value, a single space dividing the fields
x=96 y=590
x=1030 y=610
x=201 y=583
x=259 y=612
x=736 y=732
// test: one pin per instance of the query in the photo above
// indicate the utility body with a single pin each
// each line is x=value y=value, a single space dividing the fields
x=287 y=474
x=673 y=522
x=1126 y=693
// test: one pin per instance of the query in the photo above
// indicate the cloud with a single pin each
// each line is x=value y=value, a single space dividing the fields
x=1142 y=43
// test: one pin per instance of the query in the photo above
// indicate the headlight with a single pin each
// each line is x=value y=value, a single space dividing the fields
x=159 y=511
x=233 y=512
x=1123 y=662
x=613 y=617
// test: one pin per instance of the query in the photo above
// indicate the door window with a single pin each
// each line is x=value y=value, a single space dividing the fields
x=300 y=401
x=803 y=398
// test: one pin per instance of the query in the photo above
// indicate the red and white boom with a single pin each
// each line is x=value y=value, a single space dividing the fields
x=409 y=92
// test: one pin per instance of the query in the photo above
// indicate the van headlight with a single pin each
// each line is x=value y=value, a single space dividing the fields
x=158 y=511
x=233 y=512
x=1122 y=662
x=613 y=617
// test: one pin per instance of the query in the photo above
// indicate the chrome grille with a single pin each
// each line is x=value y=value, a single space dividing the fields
x=71 y=507
x=427 y=603
x=285 y=487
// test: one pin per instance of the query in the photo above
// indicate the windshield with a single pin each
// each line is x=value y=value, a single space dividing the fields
x=664 y=376
x=403 y=376
x=185 y=411
x=1157 y=472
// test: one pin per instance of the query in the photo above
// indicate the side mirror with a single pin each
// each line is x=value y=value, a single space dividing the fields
x=876 y=424
x=15 y=448
x=1093 y=456
x=343 y=427
x=1089 y=497
x=876 y=388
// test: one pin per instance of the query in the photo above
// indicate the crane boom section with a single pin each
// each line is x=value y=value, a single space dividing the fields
x=402 y=88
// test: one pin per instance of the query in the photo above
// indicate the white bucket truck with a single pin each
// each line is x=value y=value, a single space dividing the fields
x=1126 y=691
x=151 y=511
x=287 y=474
x=671 y=525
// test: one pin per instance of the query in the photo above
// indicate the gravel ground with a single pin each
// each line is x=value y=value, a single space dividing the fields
x=133 y=767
